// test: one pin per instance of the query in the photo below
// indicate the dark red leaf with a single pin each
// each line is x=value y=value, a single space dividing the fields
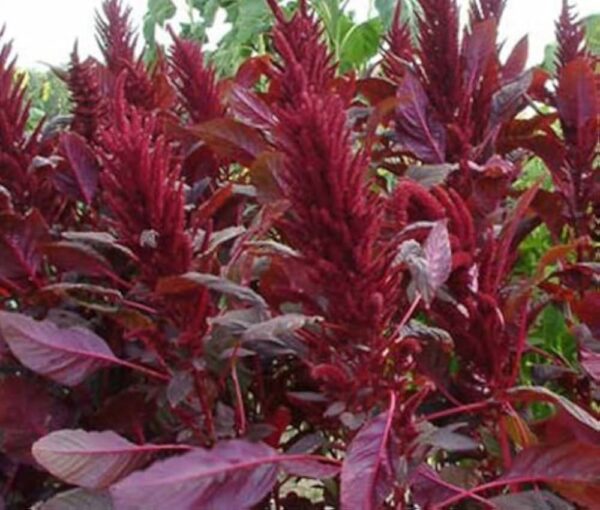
x=572 y=468
x=418 y=131
x=20 y=258
x=80 y=179
x=479 y=47
x=252 y=69
x=264 y=173
x=587 y=309
x=191 y=281
x=589 y=351
x=249 y=108
x=76 y=257
x=578 y=105
x=516 y=62
x=375 y=90
x=217 y=201
x=531 y=500
x=428 y=488
x=102 y=241
x=125 y=413
x=578 y=421
x=368 y=469
x=231 y=139
x=27 y=412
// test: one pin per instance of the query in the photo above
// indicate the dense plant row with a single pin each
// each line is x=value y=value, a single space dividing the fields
x=300 y=288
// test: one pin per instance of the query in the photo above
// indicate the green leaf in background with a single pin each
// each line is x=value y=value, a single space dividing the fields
x=592 y=29
x=360 y=44
x=161 y=10
x=49 y=96
x=386 y=9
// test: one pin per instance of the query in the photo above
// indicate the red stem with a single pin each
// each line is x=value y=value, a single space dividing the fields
x=472 y=493
x=467 y=408
x=238 y=392
x=210 y=425
x=396 y=337
x=144 y=370
x=505 y=446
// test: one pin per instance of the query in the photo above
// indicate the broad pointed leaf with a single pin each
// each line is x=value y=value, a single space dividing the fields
x=572 y=468
x=231 y=139
x=517 y=60
x=507 y=101
x=93 y=460
x=190 y=281
x=581 y=423
x=274 y=329
x=80 y=179
x=417 y=129
x=367 y=471
x=479 y=47
x=250 y=108
x=531 y=500
x=77 y=257
x=578 y=104
x=439 y=255
x=19 y=239
x=234 y=474
x=67 y=356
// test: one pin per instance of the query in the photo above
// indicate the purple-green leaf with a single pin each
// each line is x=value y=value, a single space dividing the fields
x=67 y=356
x=93 y=460
x=234 y=474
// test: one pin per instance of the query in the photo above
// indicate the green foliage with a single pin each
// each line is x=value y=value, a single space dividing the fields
x=48 y=95
x=159 y=11
x=353 y=43
x=533 y=171
x=532 y=250
x=592 y=28
x=250 y=21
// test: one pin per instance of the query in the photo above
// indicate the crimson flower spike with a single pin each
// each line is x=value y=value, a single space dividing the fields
x=335 y=221
x=439 y=31
x=89 y=108
x=194 y=80
x=400 y=47
x=307 y=62
x=143 y=191
x=115 y=35
x=570 y=35
x=14 y=112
